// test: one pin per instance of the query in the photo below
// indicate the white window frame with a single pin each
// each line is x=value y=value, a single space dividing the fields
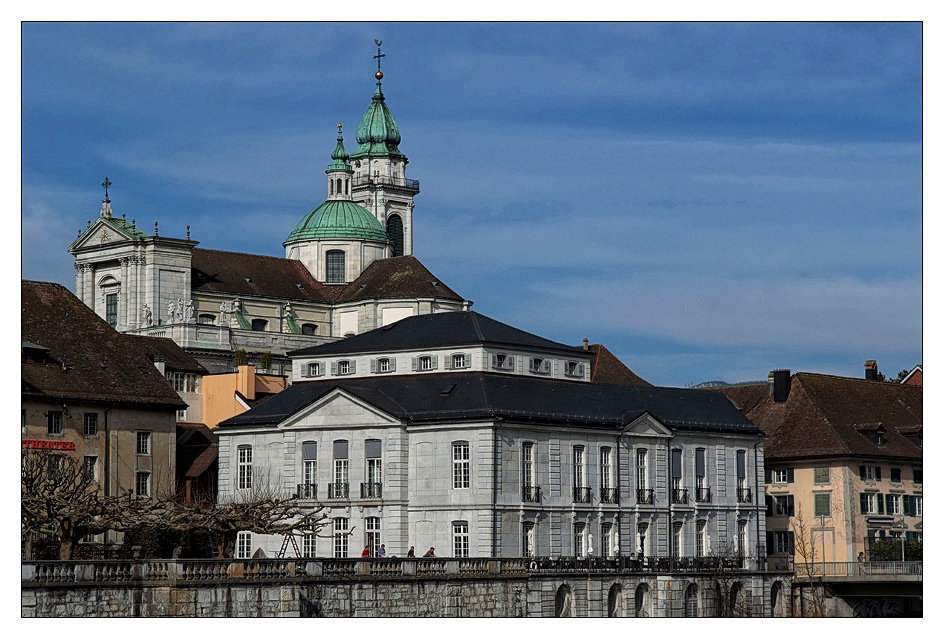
x=872 y=499
x=893 y=504
x=372 y=534
x=527 y=464
x=606 y=539
x=460 y=538
x=315 y=369
x=642 y=468
x=90 y=467
x=383 y=365
x=677 y=539
x=310 y=472
x=424 y=363
x=244 y=467
x=781 y=505
x=340 y=537
x=344 y=367
x=459 y=360
x=143 y=442
x=243 y=545
x=461 y=465
x=54 y=422
x=580 y=539
x=919 y=508
x=606 y=475
x=580 y=467
x=90 y=419
x=701 y=540
x=309 y=545
x=779 y=476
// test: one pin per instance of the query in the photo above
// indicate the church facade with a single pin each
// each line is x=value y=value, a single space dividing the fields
x=348 y=267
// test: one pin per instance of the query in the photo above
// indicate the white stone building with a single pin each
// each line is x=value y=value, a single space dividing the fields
x=458 y=432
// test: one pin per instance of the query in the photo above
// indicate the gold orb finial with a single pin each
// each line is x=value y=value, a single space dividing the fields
x=379 y=75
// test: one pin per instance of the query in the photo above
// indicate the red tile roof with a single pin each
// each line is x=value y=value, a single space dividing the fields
x=87 y=360
x=175 y=358
x=396 y=277
x=606 y=368
x=258 y=275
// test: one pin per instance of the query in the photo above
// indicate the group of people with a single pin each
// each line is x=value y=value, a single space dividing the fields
x=382 y=552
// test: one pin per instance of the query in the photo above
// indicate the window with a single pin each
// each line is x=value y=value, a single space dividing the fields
x=606 y=539
x=90 y=425
x=527 y=539
x=641 y=531
x=142 y=484
x=895 y=475
x=344 y=367
x=911 y=505
x=374 y=462
x=460 y=538
x=243 y=545
x=528 y=480
x=182 y=415
x=642 y=475
x=314 y=369
x=870 y=473
x=608 y=494
x=426 y=363
x=783 y=542
x=573 y=369
x=340 y=537
x=111 y=309
x=691 y=601
x=821 y=475
x=259 y=324
x=372 y=534
x=309 y=329
x=781 y=476
x=821 y=505
x=183 y=382
x=458 y=360
x=309 y=487
x=783 y=506
x=893 y=505
x=702 y=492
x=742 y=537
x=54 y=422
x=918 y=475
x=871 y=504
x=460 y=465
x=679 y=494
x=540 y=366
x=677 y=539
x=54 y=463
x=918 y=506
x=701 y=545
x=143 y=442
x=580 y=477
x=90 y=467
x=580 y=529
x=308 y=545
x=503 y=362
x=244 y=467
x=340 y=488
x=743 y=490
x=395 y=233
x=334 y=267
x=383 y=365
x=206 y=319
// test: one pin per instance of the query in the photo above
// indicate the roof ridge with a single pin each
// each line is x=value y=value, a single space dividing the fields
x=475 y=324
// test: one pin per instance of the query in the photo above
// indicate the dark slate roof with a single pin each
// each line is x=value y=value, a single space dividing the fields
x=175 y=358
x=606 y=368
x=438 y=330
x=256 y=275
x=827 y=416
x=396 y=277
x=446 y=396
x=88 y=360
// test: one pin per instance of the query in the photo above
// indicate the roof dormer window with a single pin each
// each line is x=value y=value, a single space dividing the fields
x=540 y=366
x=503 y=362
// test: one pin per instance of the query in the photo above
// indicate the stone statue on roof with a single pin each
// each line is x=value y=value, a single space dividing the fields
x=180 y=310
x=171 y=311
x=146 y=310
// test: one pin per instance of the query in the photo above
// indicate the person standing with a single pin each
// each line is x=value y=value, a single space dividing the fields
x=410 y=552
x=366 y=552
x=382 y=551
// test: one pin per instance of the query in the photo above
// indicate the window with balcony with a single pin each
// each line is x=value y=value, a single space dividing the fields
x=581 y=489
x=461 y=475
x=580 y=533
x=679 y=494
x=677 y=540
x=641 y=547
x=702 y=492
x=606 y=539
x=373 y=488
x=460 y=539
x=340 y=487
x=529 y=487
x=743 y=489
x=643 y=492
x=701 y=543
x=308 y=489
x=527 y=539
x=609 y=494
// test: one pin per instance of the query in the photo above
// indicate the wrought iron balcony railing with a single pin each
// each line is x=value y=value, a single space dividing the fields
x=609 y=495
x=744 y=496
x=582 y=494
x=371 y=490
x=386 y=180
x=307 y=491
x=680 y=495
x=703 y=495
x=645 y=496
x=338 y=491
x=531 y=494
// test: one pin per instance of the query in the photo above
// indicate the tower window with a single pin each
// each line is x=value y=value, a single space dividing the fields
x=334 y=267
x=111 y=309
x=395 y=233
x=259 y=324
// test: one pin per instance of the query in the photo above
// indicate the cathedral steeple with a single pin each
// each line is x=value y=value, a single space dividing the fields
x=339 y=172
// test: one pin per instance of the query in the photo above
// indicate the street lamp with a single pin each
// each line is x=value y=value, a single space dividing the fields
x=902 y=539
x=822 y=533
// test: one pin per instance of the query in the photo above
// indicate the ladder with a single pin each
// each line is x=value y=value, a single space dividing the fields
x=285 y=546
x=214 y=544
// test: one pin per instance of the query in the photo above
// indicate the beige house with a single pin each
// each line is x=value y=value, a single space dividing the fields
x=843 y=462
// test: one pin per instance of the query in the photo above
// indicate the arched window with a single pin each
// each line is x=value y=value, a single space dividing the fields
x=776 y=599
x=738 y=603
x=339 y=186
x=564 y=602
x=691 y=601
x=334 y=267
x=330 y=186
x=615 y=603
x=309 y=329
x=642 y=600
x=395 y=233
x=259 y=324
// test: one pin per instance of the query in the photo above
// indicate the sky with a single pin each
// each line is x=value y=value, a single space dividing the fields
x=710 y=201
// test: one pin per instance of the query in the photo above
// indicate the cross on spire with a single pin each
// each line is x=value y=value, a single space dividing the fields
x=106 y=184
x=379 y=54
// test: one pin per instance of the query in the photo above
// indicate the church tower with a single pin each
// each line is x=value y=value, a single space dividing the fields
x=379 y=183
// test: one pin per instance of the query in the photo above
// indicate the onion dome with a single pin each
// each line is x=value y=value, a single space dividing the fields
x=377 y=134
x=339 y=219
x=340 y=156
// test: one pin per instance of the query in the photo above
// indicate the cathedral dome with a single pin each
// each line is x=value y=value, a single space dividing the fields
x=377 y=134
x=339 y=219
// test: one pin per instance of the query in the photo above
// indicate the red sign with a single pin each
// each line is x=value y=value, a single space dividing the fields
x=51 y=445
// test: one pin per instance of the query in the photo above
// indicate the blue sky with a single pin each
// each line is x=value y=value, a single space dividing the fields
x=709 y=200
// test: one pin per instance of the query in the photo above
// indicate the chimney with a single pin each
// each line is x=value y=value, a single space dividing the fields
x=871 y=369
x=586 y=344
x=159 y=363
x=779 y=384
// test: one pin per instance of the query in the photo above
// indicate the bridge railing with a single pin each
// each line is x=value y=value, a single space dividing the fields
x=858 y=569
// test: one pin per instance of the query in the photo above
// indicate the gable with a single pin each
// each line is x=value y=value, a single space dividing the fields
x=102 y=233
x=647 y=426
x=338 y=409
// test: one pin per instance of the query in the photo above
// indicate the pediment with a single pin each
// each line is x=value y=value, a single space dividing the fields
x=99 y=234
x=339 y=409
x=647 y=426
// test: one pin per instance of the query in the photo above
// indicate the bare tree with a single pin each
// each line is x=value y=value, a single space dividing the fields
x=805 y=561
x=731 y=598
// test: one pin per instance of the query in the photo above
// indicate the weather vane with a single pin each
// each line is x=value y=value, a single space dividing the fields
x=106 y=184
x=378 y=57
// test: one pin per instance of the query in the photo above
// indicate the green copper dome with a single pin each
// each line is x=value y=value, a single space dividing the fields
x=377 y=134
x=339 y=219
x=340 y=156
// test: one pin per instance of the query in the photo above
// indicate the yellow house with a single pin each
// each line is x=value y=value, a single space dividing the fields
x=226 y=395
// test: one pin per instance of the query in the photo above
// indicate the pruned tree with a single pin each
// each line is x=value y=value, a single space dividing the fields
x=731 y=599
